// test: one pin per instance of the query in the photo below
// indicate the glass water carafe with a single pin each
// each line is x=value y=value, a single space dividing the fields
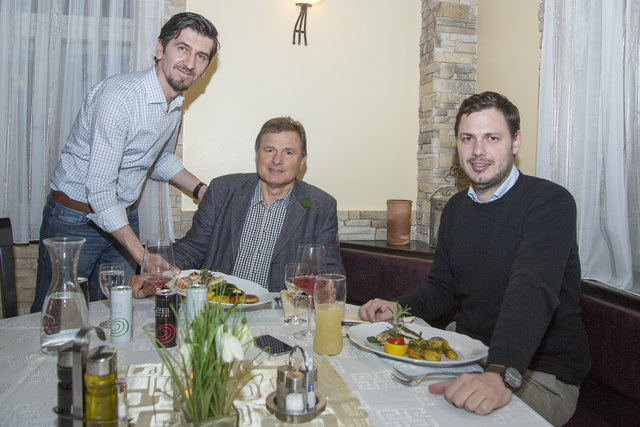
x=64 y=310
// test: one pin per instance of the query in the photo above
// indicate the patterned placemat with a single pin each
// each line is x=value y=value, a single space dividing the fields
x=150 y=402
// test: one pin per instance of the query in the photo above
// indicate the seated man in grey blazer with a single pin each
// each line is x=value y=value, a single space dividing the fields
x=250 y=224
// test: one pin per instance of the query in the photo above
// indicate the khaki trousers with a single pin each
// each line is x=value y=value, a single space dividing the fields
x=554 y=400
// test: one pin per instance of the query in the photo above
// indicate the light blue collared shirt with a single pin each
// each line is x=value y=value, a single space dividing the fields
x=123 y=129
x=506 y=186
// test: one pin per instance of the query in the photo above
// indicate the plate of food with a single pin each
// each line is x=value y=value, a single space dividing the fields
x=419 y=345
x=223 y=289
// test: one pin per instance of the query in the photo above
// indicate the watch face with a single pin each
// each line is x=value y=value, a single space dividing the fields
x=512 y=378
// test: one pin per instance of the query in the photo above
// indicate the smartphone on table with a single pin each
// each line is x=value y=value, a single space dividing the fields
x=272 y=345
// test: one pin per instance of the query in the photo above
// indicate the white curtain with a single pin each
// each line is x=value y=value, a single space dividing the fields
x=51 y=53
x=589 y=128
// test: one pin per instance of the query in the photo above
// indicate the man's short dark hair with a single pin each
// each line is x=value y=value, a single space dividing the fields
x=486 y=100
x=283 y=124
x=198 y=23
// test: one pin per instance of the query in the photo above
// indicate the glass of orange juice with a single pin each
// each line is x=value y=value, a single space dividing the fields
x=330 y=294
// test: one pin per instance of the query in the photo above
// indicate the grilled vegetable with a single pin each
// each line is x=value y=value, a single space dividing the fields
x=442 y=345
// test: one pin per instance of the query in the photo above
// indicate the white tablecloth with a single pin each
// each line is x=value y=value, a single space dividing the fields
x=28 y=377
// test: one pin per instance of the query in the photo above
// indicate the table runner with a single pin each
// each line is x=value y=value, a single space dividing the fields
x=150 y=403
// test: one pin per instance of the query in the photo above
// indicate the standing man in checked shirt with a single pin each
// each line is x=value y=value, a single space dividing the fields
x=127 y=126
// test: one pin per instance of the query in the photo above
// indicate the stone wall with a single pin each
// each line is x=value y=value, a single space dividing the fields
x=447 y=77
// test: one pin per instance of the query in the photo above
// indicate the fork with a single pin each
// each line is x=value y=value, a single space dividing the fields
x=418 y=379
x=401 y=374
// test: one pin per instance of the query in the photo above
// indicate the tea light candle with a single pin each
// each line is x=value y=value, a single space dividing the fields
x=294 y=402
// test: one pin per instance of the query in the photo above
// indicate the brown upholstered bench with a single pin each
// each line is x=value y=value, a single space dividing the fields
x=373 y=274
x=610 y=396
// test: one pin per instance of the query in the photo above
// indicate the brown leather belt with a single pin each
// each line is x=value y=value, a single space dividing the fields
x=65 y=201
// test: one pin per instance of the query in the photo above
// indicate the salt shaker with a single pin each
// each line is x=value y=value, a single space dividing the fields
x=281 y=385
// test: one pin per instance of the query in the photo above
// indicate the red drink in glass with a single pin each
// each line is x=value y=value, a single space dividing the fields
x=305 y=283
x=158 y=281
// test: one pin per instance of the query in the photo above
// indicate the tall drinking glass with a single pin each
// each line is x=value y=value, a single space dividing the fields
x=315 y=256
x=329 y=296
x=157 y=267
x=291 y=271
x=109 y=275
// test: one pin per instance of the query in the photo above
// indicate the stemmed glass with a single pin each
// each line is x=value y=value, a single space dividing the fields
x=109 y=275
x=291 y=272
x=157 y=267
x=315 y=256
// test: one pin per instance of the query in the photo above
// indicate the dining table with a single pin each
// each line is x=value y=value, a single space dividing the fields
x=358 y=383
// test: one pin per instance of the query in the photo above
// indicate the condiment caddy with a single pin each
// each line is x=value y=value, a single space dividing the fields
x=88 y=390
x=297 y=398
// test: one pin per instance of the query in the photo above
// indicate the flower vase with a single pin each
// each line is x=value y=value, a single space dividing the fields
x=229 y=420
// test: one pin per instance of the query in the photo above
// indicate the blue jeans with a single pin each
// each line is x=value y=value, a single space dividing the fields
x=100 y=247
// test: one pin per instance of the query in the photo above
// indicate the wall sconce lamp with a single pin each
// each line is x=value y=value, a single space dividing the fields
x=301 y=24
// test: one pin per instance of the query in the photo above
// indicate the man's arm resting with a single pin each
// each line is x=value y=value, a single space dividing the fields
x=188 y=181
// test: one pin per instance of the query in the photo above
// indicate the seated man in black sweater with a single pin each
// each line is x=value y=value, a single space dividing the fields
x=507 y=254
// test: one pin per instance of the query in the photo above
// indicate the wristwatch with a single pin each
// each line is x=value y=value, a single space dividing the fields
x=511 y=376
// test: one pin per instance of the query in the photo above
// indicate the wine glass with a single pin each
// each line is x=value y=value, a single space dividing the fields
x=315 y=256
x=109 y=275
x=291 y=272
x=157 y=267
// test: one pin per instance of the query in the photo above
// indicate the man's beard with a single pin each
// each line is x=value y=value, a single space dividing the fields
x=496 y=181
x=178 y=85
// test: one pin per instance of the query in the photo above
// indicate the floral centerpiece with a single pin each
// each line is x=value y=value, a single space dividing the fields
x=206 y=372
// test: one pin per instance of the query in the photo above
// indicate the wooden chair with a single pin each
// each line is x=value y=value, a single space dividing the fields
x=7 y=272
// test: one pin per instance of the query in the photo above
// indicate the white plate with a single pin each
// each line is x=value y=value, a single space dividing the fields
x=468 y=349
x=244 y=285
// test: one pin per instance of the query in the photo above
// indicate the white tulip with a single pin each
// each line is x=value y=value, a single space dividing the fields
x=185 y=355
x=231 y=348
x=245 y=336
x=228 y=346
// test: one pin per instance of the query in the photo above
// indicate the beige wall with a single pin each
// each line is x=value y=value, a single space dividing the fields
x=354 y=88
x=509 y=63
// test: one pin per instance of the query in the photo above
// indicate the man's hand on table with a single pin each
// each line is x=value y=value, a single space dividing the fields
x=140 y=288
x=478 y=393
x=377 y=310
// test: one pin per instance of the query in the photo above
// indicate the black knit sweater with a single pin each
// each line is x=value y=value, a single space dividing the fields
x=513 y=266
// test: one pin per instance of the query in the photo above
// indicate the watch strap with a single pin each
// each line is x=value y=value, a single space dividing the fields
x=512 y=379
x=197 y=188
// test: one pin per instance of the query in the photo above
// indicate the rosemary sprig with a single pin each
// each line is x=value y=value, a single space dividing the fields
x=398 y=319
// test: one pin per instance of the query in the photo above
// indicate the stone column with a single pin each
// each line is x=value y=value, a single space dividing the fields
x=447 y=76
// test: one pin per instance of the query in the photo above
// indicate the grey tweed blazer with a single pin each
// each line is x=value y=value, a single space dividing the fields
x=214 y=237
